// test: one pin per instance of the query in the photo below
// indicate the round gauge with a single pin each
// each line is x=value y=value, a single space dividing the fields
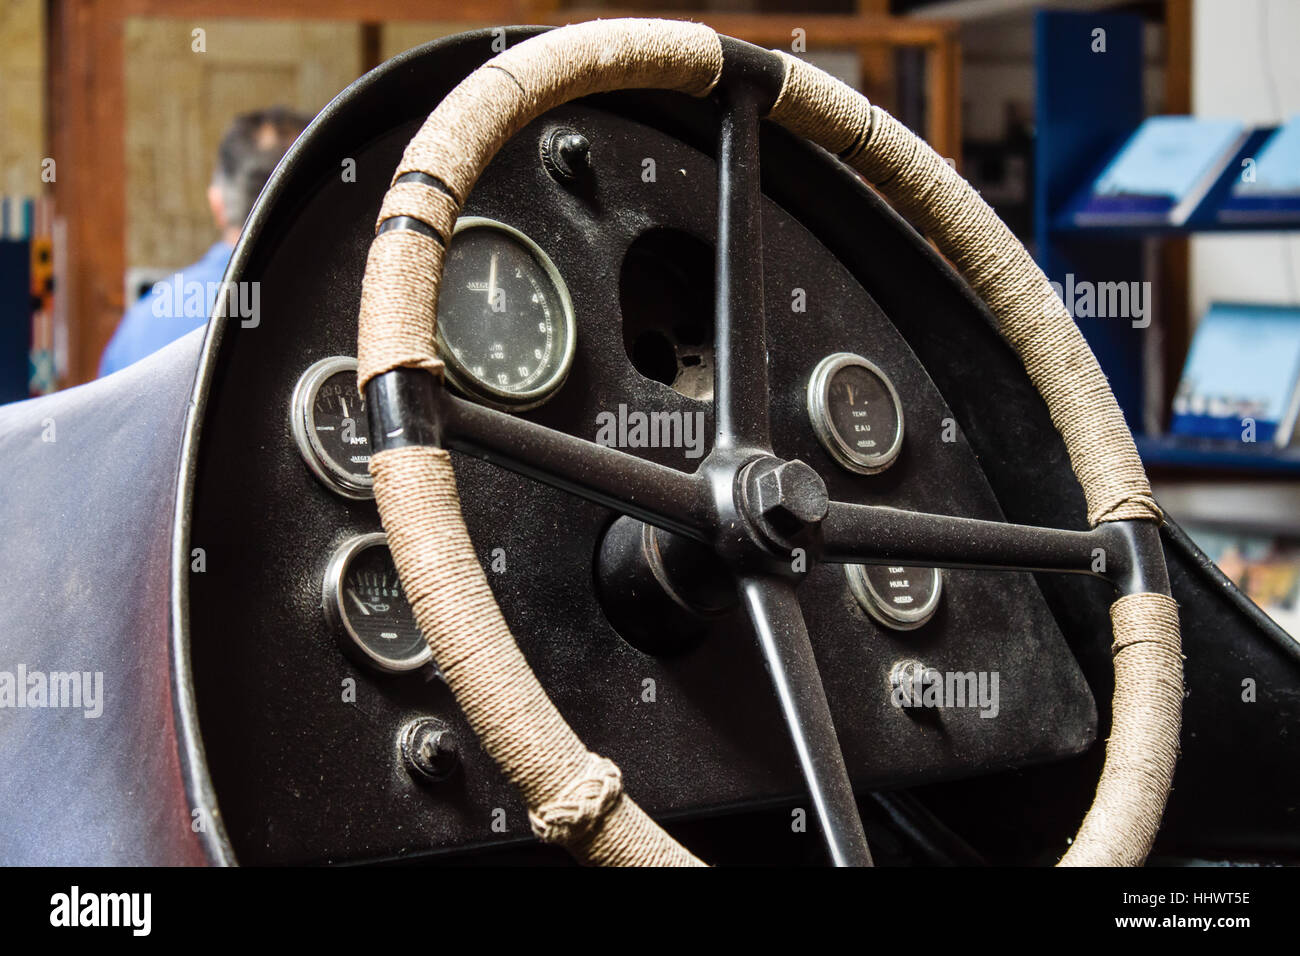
x=364 y=601
x=898 y=597
x=505 y=321
x=855 y=412
x=329 y=424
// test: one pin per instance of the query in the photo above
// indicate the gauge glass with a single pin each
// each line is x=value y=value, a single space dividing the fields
x=330 y=427
x=855 y=412
x=505 y=320
x=899 y=597
x=365 y=602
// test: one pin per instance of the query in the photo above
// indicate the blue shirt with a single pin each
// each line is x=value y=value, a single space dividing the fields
x=176 y=305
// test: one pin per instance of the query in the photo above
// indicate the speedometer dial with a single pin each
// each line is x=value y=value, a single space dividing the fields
x=505 y=320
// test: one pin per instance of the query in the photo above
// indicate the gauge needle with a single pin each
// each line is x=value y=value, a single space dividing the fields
x=344 y=402
x=360 y=603
x=492 y=281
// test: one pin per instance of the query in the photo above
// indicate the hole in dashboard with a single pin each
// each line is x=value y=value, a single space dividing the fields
x=654 y=356
x=666 y=296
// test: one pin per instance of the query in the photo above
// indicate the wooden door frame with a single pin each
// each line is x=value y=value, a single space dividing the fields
x=86 y=106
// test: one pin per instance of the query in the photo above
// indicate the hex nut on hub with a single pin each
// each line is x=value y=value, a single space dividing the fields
x=790 y=495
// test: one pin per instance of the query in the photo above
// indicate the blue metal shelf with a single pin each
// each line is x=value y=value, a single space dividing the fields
x=1171 y=451
x=1155 y=231
x=1086 y=104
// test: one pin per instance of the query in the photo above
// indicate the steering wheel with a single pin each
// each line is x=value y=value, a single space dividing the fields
x=749 y=507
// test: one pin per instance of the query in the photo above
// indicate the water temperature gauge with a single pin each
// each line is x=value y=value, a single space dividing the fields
x=855 y=413
x=364 y=601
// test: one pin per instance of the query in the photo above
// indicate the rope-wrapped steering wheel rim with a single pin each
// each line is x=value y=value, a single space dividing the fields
x=576 y=797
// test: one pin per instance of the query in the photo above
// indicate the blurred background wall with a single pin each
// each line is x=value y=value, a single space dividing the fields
x=1245 y=64
x=22 y=96
x=178 y=104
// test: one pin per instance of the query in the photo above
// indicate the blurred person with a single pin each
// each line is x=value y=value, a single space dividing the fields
x=248 y=153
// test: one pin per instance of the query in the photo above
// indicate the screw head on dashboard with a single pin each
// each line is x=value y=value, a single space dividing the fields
x=905 y=672
x=907 y=681
x=566 y=154
x=429 y=749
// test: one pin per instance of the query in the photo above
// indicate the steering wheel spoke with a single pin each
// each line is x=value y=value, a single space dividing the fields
x=740 y=390
x=773 y=607
x=872 y=534
x=654 y=493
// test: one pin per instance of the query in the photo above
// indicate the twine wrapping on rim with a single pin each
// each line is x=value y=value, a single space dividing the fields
x=1146 y=717
x=932 y=195
x=430 y=205
x=1142 y=750
x=820 y=108
x=399 y=301
x=586 y=799
x=502 y=699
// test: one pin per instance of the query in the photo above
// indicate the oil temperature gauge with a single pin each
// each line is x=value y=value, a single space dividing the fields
x=505 y=321
x=329 y=425
x=365 y=603
x=855 y=413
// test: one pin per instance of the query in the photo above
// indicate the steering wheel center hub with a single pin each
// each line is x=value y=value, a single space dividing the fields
x=784 y=500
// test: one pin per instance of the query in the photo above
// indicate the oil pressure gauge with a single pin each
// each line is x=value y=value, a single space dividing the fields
x=329 y=425
x=855 y=413
x=365 y=603
x=505 y=320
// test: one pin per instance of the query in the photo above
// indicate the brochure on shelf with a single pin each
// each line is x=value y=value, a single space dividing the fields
x=1241 y=381
x=1163 y=171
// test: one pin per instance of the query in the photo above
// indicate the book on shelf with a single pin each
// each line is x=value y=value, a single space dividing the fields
x=1241 y=381
x=1161 y=174
x=1267 y=190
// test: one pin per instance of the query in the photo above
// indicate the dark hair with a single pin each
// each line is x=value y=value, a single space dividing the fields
x=249 y=151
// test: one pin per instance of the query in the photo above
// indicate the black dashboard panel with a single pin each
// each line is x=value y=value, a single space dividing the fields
x=302 y=742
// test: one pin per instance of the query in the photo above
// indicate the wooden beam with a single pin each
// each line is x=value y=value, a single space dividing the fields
x=877 y=65
x=943 y=107
x=87 y=146
x=830 y=31
x=491 y=11
x=372 y=36
x=1178 y=56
